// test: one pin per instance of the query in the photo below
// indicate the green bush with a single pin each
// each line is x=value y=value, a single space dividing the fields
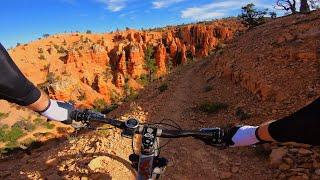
x=25 y=125
x=4 y=115
x=51 y=78
x=28 y=141
x=82 y=96
x=42 y=57
x=131 y=94
x=252 y=16
x=150 y=62
x=88 y=32
x=110 y=108
x=38 y=121
x=212 y=107
x=114 y=96
x=48 y=125
x=61 y=50
x=56 y=46
x=144 y=80
x=163 y=87
x=40 y=50
x=241 y=114
x=46 y=35
x=99 y=104
x=10 y=146
x=208 y=88
x=10 y=135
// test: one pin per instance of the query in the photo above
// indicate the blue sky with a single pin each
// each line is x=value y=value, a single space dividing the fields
x=26 y=20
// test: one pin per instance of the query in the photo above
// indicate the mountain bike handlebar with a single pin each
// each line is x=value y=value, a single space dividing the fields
x=133 y=125
x=148 y=163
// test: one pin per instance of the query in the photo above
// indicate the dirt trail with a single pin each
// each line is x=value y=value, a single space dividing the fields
x=104 y=155
x=191 y=159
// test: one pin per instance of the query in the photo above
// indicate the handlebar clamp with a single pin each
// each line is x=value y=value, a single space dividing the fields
x=130 y=127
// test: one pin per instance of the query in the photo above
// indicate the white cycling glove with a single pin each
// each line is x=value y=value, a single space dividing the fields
x=58 y=110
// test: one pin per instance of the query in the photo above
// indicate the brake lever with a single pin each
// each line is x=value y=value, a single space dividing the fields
x=216 y=139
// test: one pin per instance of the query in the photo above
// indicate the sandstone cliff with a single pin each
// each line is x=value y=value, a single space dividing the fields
x=84 y=68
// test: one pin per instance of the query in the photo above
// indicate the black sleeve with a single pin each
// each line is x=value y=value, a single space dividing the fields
x=14 y=86
x=302 y=126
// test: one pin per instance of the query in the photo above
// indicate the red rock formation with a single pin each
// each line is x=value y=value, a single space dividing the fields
x=173 y=49
x=193 y=50
x=119 y=80
x=138 y=37
x=122 y=65
x=161 y=56
x=103 y=62
x=97 y=54
x=169 y=37
x=183 y=54
x=135 y=61
x=223 y=33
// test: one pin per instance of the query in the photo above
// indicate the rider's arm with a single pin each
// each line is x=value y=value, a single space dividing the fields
x=16 y=88
x=302 y=126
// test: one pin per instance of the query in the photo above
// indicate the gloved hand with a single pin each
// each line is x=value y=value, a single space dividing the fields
x=217 y=138
x=232 y=137
x=60 y=111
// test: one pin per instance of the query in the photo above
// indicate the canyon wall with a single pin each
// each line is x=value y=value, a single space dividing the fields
x=85 y=68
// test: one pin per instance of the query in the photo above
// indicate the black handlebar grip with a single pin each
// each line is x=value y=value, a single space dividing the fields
x=86 y=115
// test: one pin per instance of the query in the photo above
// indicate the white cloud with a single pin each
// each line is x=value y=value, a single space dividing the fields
x=200 y=14
x=158 y=4
x=114 y=5
x=213 y=10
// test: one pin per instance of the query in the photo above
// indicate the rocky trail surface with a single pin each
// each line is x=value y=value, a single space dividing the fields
x=103 y=155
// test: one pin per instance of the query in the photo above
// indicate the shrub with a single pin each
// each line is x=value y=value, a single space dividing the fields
x=110 y=108
x=42 y=57
x=11 y=135
x=99 y=104
x=220 y=46
x=273 y=15
x=144 y=79
x=88 y=32
x=252 y=16
x=38 y=121
x=150 y=62
x=212 y=107
x=40 y=50
x=28 y=141
x=25 y=125
x=51 y=78
x=46 y=35
x=2 y=133
x=56 y=47
x=190 y=56
x=11 y=146
x=61 y=50
x=3 y=115
x=163 y=87
x=114 y=96
x=241 y=114
x=48 y=125
x=131 y=94
x=82 y=96
x=208 y=88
